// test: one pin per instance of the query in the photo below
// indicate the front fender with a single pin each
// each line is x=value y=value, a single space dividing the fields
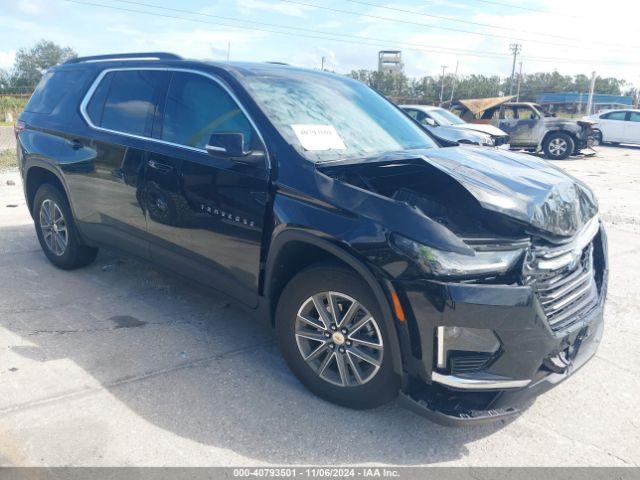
x=335 y=241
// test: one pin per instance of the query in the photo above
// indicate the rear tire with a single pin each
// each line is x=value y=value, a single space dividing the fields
x=558 y=146
x=348 y=361
x=57 y=232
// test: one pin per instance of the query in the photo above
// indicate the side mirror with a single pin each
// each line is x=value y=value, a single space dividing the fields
x=430 y=122
x=226 y=144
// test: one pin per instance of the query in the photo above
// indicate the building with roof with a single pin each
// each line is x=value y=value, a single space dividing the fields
x=576 y=102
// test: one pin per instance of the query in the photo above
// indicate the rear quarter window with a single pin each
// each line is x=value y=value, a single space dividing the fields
x=53 y=88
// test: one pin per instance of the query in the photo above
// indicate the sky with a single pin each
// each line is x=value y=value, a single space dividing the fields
x=570 y=36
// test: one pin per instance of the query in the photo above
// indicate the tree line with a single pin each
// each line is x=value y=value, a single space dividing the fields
x=427 y=89
x=30 y=64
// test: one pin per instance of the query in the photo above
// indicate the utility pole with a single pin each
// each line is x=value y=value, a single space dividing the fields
x=453 y=86
x=228 y=51
x=516 y=48
x=591 y=89
x=322 y=64
x=444 y=67
x=519 y=83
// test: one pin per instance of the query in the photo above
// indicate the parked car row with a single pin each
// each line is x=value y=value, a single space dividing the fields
x=508 y=125
x=463 y=280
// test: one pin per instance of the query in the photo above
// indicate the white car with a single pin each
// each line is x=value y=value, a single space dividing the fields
x=617 y=126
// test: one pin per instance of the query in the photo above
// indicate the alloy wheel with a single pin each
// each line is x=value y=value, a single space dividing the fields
x=558 y=146
x=339 y=339
x=54 y=227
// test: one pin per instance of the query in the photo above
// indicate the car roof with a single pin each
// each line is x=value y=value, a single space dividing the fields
x=167 y=60
x=522 y=104
x=425 y=108
x=619 y=110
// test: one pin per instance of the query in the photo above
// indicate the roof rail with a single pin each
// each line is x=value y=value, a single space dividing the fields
x=277 y=63
x=126 y=56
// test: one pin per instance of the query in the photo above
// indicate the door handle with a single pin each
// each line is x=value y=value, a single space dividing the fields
x=159 y=166
x=75 y=144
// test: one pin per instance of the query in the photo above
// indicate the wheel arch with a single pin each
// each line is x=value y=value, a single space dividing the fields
x=597 y=130
x=293 y=250
x=37 y=175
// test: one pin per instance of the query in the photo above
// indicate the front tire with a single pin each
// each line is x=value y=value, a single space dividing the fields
x=597 y=135
x=558 y=146
x=57 y=231
x=333 y=337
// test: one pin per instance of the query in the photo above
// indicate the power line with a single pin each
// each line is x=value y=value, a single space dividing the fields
x=408 y=22
x=580 y=43
x=459 y=20
x=529 y=9
x=323 y=35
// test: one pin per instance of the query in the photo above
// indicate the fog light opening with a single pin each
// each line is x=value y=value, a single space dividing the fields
x=465 y=350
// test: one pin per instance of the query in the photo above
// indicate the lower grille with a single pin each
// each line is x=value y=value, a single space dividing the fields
x=469 y=363
x=567 y=290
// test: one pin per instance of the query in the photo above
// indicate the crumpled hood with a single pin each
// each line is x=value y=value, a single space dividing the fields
x=520 y=186
x=482 y=127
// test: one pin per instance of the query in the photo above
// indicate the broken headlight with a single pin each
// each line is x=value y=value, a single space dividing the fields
x=441 y=263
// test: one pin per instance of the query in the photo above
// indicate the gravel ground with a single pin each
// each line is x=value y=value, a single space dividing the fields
x=119 y=364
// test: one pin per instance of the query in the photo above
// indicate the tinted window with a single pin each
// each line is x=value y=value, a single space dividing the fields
x=96 y=104
x=53 y=87
x=615 y=115
x=196 y=107
x=634 y=116
x=131 y=102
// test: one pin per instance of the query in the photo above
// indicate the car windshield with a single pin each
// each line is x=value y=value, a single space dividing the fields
x=327 y=117
x=445 y=117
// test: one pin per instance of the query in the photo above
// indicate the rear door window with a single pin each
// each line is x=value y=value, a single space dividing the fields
x=615 y=116
x=509 y=113
x=526 y=113
x=131 y=100
x=95 y=107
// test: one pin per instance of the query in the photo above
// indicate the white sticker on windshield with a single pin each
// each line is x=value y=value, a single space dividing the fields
x=317 y=138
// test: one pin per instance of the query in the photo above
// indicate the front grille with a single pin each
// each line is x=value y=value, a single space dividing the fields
x=567 y=289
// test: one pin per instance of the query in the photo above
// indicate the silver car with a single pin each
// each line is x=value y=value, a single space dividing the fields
x=447 y=126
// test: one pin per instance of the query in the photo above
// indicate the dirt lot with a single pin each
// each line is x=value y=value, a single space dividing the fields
x=119 y=364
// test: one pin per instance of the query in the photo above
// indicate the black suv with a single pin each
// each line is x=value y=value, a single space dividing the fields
x=464 y=280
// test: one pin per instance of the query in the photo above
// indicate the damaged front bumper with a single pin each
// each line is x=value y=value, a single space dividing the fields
x=530 y=357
